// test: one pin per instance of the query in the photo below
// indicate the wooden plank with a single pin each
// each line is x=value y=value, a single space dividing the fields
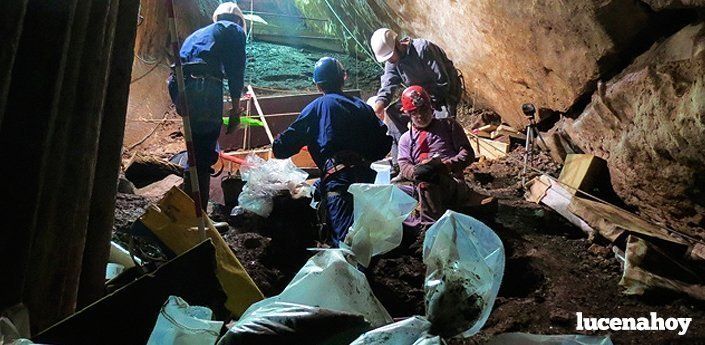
x=261 y=114
x=611 y=222
x=546 y=190
x=581 y=171
x=508 y=131
x=481 y=134
x=487 y=128
x=490 y=149
x=644 y=271
x=506 y=128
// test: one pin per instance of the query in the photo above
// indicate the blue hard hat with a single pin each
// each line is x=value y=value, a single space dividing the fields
x=328 y=70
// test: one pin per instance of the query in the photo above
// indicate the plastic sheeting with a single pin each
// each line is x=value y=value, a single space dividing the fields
x=378 y=215
x=537 y=339
x=266 y=178
x=288 y=323
x=464 y=267
x=410 y=331
x=9 y=333
x=181 y=324
x=329 y=281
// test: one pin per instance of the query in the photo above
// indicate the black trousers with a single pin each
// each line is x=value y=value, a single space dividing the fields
x=205 y=110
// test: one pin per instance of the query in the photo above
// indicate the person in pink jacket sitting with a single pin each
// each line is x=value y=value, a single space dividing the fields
x=433 y=155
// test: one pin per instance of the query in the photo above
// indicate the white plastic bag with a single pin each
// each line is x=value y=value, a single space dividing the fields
x=379 y=211
x=289 y=323
x=539 y=339
x=329 y=281
x=266 y=178
x=384 y=171
x=181 y=324
x=464 y=267
x=413 y=330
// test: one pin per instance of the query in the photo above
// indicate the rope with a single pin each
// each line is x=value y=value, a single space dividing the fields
x=577 y=190
x=153 y=62
x=364 y=48
x=164 y=120
x=279 y=90
x=145 y=74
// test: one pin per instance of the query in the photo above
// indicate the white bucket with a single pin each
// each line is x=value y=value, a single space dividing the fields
x=384 y=172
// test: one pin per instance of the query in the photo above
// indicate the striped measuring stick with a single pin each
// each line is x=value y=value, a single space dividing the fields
x=174 y=34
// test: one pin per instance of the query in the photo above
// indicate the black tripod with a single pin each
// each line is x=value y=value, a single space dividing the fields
x=531 y=134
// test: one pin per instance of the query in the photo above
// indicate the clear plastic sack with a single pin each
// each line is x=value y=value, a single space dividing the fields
x=289 y=323
x=540 y=339
x=266 y=178
x=329 y=281
x=464 y=267
x=413 y=330
x=181 y=324
x=379 y=211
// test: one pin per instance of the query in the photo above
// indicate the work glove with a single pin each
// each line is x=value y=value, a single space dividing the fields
x=429 y=170
x=425 y=173
x=234 y=120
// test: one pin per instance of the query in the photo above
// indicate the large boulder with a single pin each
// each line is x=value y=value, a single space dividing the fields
x=511 y=52
x=648 y=122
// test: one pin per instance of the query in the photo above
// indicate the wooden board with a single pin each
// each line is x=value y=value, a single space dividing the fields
x=487 y=128
x=490 y=149
x=508 y=131
x=581 y=171
x=611 y=222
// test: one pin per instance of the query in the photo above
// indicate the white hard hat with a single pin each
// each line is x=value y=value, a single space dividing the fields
x=383 y=42
x=229 y=8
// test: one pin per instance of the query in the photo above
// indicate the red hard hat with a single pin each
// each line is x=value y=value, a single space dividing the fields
x=415 y=97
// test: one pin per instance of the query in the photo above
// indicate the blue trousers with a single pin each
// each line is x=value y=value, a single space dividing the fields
x=340 y=215
x=339 y=203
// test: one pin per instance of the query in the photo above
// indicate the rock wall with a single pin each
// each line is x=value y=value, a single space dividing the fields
x=648 y=122
x=352 y=20
x=511 y=52
x=149 y=100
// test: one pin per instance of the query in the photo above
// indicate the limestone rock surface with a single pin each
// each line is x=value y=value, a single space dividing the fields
x=648 y=122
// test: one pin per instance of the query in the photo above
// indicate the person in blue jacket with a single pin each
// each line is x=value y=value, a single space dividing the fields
x=343 y=136
x=207 y=55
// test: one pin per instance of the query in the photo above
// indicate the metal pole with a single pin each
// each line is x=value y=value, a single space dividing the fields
x=526 y=154
x=186 y=121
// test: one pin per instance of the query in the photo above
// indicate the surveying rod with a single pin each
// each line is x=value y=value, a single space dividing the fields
x=179 y=73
